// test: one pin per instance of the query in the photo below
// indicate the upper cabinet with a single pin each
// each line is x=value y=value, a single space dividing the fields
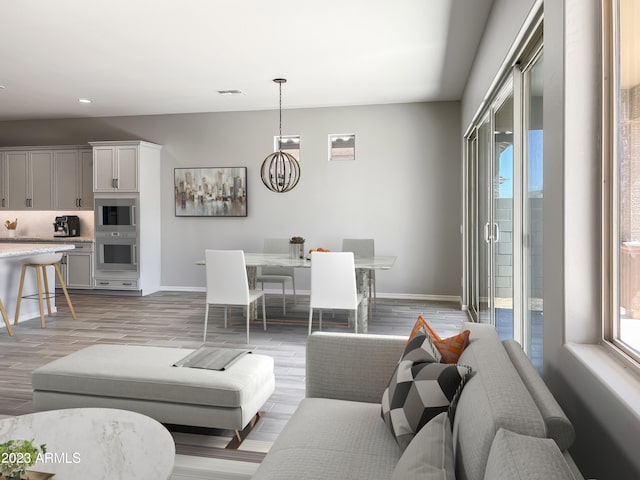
x=116 y=166
x=3 y=182
x=28 y=179
x=73 y=179
x=46 y=178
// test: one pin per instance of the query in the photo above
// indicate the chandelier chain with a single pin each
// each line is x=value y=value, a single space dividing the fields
x=280 y=109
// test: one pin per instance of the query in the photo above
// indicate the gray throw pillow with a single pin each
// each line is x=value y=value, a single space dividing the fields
x=520 y=456
x=429 y=456
x=419 y=390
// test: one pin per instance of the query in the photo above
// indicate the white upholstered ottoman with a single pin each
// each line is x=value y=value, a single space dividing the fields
x=142 y=379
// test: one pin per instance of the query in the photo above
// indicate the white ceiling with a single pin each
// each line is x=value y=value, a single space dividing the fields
x=144 y=57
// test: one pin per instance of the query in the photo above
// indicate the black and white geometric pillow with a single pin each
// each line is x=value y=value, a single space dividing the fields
x=419 y=389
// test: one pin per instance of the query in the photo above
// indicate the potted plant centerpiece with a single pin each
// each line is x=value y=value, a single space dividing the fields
x=16 y=456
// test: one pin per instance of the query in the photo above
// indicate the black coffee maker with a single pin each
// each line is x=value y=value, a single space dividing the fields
x=67 y=226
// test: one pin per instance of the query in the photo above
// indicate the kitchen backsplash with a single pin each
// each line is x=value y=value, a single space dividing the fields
x=39 y=223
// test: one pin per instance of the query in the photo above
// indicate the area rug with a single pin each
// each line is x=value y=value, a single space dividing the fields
x=214 y=443
x=202 y=468
x=206 y=455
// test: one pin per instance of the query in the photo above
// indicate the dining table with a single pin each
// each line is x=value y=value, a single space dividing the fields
x=364 y=267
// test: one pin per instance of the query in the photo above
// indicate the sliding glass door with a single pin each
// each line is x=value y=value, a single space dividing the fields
x=533 y=212
x=503 y=213
x=504 y=175
x=481 y=218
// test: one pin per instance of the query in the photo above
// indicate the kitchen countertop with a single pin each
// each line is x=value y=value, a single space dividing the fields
x=51 y=239
x=19 y=249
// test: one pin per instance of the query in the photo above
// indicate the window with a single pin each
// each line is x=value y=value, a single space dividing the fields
x=342 y=147
x=288 y=144
x=622 y=167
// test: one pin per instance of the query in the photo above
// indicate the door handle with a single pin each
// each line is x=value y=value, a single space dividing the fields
x=496 y=233
x=487 y=238
x=135 y=255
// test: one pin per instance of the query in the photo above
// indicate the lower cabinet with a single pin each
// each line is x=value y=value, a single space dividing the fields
x=77 y=266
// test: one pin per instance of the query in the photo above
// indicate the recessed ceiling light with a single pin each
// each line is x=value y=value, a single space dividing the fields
x=230 y=92
x=84 y=100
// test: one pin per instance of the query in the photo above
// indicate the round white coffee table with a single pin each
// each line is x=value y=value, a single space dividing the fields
x=96 y=443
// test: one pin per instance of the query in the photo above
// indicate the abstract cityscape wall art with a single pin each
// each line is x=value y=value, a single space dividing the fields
x=211 y=192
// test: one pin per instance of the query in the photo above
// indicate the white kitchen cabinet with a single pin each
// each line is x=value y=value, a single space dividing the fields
x=3 y=181
x=46 y=178
x=116 y=167
x=28 y=181
x=85 y=179
x=133 y=169
x=73 y=179
x=77 y=266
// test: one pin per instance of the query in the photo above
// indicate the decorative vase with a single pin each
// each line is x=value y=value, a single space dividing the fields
x=296 y=250
x=11 y=233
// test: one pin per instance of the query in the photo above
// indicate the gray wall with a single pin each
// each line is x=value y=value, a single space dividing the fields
x=403 y=190
x=608 y=429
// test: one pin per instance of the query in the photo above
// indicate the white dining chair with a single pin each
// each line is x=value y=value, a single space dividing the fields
x=227 y=284
x=333 y=284
x=277 y=274
x=363 y=247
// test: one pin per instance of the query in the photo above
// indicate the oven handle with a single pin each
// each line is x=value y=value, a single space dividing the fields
x=133 y=214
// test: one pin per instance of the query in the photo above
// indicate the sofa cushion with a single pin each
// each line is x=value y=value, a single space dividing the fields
x=494 y=397
x=429 y=456
x=521 y=456
x=419 y=390
x=335 y=439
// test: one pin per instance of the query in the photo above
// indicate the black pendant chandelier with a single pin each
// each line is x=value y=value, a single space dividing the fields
x=280 y=171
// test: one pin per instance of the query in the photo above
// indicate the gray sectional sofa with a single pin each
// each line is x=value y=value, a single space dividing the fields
x=507 y=424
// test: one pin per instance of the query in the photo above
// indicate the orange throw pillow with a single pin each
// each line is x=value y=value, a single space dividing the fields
x=450 y=348
x=419 y=327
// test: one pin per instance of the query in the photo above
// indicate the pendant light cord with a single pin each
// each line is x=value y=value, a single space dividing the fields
x=280 y=87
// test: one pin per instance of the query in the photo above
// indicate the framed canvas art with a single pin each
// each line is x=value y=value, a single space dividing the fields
x=211 y=192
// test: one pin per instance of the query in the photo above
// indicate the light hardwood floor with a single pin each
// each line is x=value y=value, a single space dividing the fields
x=177 y=319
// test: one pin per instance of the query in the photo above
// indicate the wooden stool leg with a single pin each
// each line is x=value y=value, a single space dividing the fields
x=64 y=289
x=39 y=281
x=15 y=320
x=6 y=320
x=46 y=288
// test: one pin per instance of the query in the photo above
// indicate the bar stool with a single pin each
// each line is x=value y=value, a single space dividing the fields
x=6 y=319
x=40 y=263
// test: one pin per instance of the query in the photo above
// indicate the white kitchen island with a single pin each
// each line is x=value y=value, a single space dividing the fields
x=11 y=259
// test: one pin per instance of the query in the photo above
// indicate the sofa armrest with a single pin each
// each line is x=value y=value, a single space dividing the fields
x=559 y=428
x=347 y=366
